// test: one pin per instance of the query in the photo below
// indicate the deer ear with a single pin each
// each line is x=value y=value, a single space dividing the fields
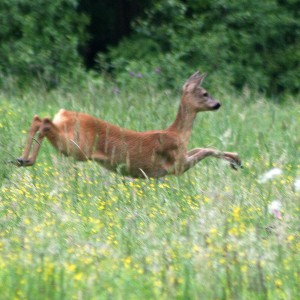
x=201 y=78
x=194 y=81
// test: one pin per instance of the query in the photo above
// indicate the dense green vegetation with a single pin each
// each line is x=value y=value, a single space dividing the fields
x=75 y=231
x=40 y=39
x=250 y=43
x=254 y=43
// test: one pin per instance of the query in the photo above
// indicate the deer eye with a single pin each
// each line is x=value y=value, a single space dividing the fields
x=205 y=94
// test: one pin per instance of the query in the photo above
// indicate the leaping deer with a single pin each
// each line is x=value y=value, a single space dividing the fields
x=153 y=153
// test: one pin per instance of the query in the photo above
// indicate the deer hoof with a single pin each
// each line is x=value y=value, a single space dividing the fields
x=22 y=163
x=235 y=164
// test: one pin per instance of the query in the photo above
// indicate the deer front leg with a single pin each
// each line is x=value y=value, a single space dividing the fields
x=196 y=155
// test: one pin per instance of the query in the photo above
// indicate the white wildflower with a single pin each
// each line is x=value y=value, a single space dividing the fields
x=226 y=136
x=297 y=185
x=274 y=208
x=270 y=175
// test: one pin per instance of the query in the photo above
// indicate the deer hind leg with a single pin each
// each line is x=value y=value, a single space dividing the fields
x=43 y=128
x=35 y=125
x=196 y=155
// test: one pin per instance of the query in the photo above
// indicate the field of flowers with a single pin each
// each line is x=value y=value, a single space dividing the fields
x=73 y=230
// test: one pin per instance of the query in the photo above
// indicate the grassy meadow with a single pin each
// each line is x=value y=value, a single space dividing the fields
x=73 y=230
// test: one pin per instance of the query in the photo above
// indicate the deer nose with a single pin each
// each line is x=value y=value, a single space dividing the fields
x=217 y=106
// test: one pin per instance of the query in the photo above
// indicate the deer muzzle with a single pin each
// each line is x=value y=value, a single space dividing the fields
x=216 y=106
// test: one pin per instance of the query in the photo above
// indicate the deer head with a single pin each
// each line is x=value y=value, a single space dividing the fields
x=197 y=98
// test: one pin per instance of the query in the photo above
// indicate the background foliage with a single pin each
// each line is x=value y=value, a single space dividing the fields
x=248 y=43
x=40 y=38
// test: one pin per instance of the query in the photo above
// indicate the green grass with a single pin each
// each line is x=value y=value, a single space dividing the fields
x=73 y=230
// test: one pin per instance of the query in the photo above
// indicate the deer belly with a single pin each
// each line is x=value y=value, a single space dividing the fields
x=137 y=168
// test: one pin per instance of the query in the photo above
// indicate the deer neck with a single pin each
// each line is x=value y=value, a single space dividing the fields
x=184 y=122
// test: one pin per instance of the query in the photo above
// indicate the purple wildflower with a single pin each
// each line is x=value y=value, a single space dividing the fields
x=116 y=90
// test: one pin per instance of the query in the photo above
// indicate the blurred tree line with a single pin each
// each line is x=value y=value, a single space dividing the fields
x=40 y=38
x=240 y=43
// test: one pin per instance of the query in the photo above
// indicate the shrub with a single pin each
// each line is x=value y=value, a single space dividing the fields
x=40 y=38
x=253 y=43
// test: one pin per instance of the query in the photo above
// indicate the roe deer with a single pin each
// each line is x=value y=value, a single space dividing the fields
x=153 y=153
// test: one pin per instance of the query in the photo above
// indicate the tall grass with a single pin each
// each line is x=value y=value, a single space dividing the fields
x=73 y=230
